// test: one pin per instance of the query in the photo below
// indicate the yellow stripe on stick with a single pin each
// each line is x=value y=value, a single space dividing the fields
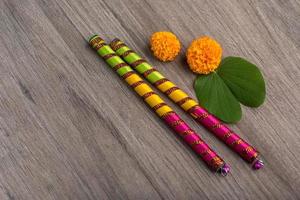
x=165 y=86
x=143 y=89
x=133 y=79
x=163 y=110
x=177 y=95
x=189 y=104
x=153 y=100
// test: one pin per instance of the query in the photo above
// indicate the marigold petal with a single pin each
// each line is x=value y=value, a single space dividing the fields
x=164 y=45
x=204 y=55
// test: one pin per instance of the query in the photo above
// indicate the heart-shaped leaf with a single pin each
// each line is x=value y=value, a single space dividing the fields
x=244 y=80
x=216 y=97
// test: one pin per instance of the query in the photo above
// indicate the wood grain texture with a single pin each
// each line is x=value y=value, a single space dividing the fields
x=71 y=129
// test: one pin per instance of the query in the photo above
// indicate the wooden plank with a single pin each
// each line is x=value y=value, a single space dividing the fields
x=70 y=128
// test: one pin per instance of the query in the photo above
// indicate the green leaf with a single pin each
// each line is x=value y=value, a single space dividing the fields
x=244 y=80
x=216 y=97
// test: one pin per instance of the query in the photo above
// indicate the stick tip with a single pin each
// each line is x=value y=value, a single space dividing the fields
x=115 y=40
x=224 y=170
x=113 y=44
x=93 y=37
x=257 y=164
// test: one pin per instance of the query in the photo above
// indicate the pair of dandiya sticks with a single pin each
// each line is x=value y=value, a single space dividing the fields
x=126 y=63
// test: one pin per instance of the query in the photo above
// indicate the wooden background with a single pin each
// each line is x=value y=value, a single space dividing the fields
x=71 y=129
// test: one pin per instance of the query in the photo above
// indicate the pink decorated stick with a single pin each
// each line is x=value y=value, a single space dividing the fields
x=197 y=144
x=226 y=135
x=188 y=104
x=215 y=162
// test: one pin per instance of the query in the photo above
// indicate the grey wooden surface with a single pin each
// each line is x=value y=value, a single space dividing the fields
x=71 y=129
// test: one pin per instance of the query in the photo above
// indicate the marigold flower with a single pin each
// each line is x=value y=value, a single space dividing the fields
x=164 y=45
x=204 y=55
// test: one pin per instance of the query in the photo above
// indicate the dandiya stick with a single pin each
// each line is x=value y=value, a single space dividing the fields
x=188 y=104
x=165 y=112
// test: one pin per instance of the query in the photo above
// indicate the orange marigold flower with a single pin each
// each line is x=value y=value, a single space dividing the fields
x=164 y=45
x=204 y=55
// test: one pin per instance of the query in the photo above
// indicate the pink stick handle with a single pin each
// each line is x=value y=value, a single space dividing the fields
x=225 y=134
x=215 y=162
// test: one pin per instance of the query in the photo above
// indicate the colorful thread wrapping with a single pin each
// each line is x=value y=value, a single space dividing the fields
x=159 y=106
x=188 y=104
